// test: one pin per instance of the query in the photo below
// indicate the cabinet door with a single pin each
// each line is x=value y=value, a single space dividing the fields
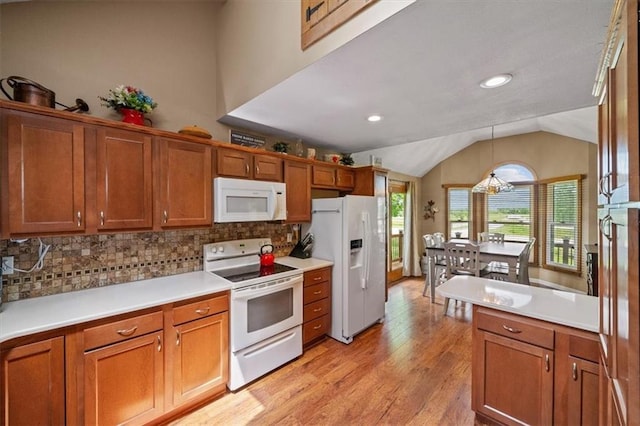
x=324 y=176
x=623 y=110
x=583 y=401
x=124 y=382
x=297 y=177
x=184 y=184
x=201 y=357
x=32 y=380
x=623 y=343
x=233 y=163
x=123 y=187
x=604 y=279
x=46 y=175
x=266 y=167
x=512 y=380
x=604 y=148
x=345 y=178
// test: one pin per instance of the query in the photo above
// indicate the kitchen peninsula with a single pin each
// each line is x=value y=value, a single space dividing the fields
x=535 y=351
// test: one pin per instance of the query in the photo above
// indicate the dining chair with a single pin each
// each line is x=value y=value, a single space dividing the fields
x=439 y=265
x=462 y=259
x=501 y=271
x=493 y=237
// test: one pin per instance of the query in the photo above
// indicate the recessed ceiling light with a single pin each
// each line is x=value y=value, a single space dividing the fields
x=496 y=81
x=373 y=118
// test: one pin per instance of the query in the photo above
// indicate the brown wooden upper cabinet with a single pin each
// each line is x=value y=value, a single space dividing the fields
x=184 y=183
x=46 y=174
x=246 y=165
x=332 y=177
x=124 y=180
x=297 y=177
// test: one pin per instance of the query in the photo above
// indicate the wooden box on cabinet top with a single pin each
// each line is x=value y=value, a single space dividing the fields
x=317 y=304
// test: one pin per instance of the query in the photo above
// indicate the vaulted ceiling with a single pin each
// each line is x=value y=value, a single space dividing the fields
x=421 y=70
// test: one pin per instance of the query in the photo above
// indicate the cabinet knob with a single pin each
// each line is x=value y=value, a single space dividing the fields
x=547 y=362
x=511 y=329
x=127 y=332
x=204 y=311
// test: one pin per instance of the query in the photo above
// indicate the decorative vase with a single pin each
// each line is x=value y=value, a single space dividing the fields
x=132 y=116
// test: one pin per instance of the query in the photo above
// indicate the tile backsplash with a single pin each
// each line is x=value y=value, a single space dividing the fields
x=80 y=262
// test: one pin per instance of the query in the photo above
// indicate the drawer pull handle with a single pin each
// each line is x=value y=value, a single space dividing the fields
x=511 y=329
x=246 y=167
x=79 y=217
x=574 y=371
x=317 y=327
x=159 y=344
x=547 y=365
x=101 y=218
x=127 y=332
x=317 y=278
x=177 y=337
x=204 y=311
x=165 y=216
x=317 y=309
x=257 y=170
x=317 y=292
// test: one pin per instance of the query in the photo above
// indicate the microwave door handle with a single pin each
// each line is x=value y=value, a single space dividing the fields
x=272 y=204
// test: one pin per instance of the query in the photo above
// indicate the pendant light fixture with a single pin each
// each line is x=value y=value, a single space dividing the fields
x=492 y=184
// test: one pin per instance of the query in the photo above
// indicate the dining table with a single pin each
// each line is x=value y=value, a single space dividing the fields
x=507 y=252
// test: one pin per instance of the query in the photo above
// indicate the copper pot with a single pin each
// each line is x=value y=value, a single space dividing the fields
x=30 y=92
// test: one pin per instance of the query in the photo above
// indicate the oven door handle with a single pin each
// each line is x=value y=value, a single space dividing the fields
x=248 y=293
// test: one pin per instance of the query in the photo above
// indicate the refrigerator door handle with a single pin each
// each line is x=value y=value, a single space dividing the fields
x=366 y=248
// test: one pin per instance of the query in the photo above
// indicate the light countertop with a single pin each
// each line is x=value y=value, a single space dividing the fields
x=45 y=313
x=29 y=316
x=304 y=264
x=560 y=307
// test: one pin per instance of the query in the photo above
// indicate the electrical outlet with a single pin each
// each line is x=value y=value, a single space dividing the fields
x=7 y=265
x=289 y=237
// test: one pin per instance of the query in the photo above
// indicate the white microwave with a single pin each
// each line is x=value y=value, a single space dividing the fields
x=242 y=200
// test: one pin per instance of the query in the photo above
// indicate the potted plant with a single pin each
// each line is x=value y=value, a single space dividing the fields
x=129 y=101
x=282 y=147
x=346 y=159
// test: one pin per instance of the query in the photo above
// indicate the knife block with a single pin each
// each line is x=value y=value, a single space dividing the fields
x=298 y=251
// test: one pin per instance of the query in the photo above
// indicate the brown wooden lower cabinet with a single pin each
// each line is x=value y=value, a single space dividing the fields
x=33 y=387
x=124 y=381
x=316 y=311
x=137 y=368
x=527 y=371
x=200 y=342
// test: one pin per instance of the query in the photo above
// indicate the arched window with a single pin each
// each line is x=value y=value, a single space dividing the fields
x=512 y=213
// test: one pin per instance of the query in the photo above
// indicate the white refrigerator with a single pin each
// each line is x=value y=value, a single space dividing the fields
x=351 y=232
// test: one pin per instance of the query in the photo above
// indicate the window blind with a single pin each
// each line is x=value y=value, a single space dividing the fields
x=458 y=212
x=562 y=220
x=511 y=213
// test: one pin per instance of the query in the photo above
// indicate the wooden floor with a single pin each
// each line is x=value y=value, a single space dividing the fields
x=413 y=369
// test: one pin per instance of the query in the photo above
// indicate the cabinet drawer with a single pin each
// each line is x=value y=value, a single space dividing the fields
x=316 y=292
x=317 y=276
x=584 y=348
x=118 y=331
x=316 y=309
x=521 y=329
x=315 y=328
x=200 y=309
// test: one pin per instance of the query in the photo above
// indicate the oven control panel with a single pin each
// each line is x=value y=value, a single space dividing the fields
x=235 y=248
